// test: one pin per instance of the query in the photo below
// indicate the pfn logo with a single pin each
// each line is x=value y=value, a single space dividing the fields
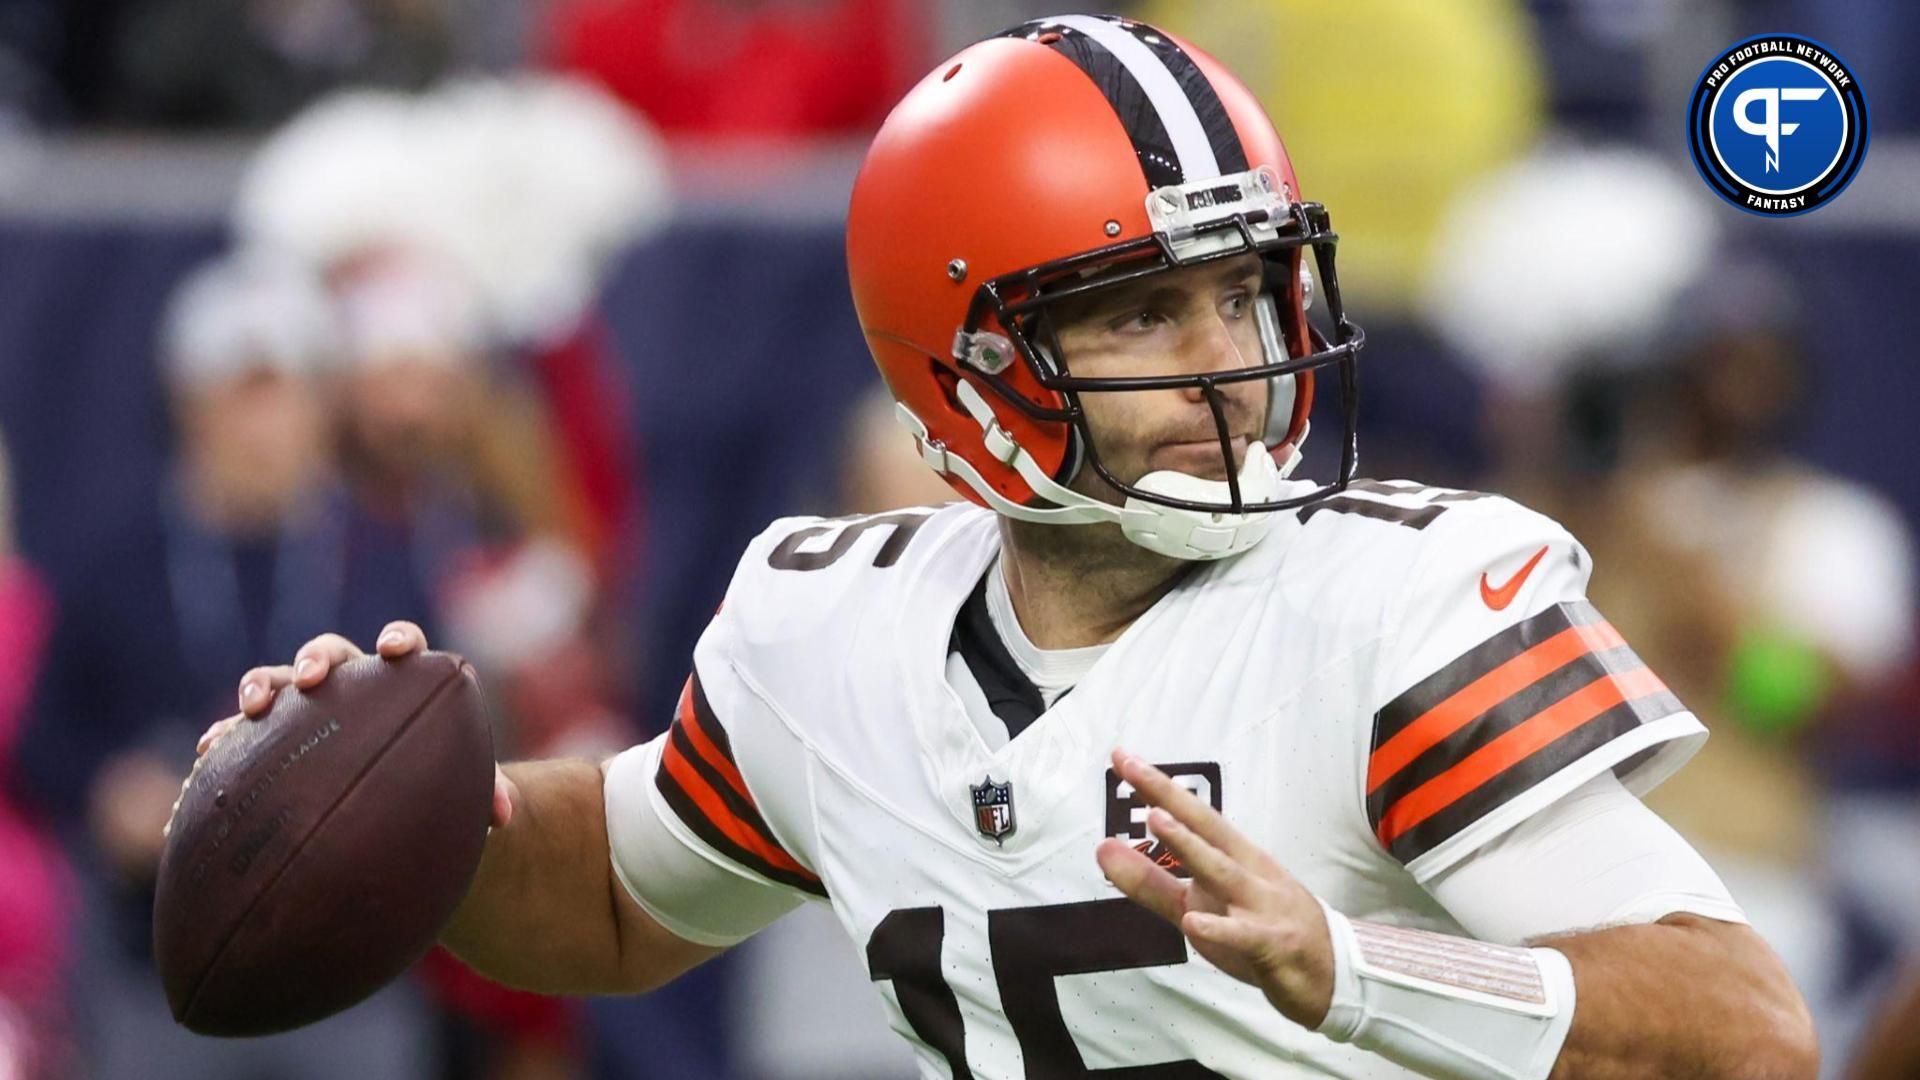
x=1770 y=128
x=1777 y=125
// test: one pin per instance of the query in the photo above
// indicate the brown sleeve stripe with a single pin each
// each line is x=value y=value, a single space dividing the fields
x=1511 y=712
x=706 y=739
x=1412 y=834
x=1474 y=700
x=711 y=798
x=1476 y=662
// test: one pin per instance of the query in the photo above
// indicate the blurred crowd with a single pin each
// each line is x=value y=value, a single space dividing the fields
x=726 y=67
x=399 y=389
x=345 y=450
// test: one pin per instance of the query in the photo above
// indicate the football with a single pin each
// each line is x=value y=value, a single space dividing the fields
x=317 y=852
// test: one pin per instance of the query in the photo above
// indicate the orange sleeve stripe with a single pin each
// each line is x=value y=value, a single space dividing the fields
x=710 y=804
x=1480 y=696
x=1524 y=739
x=710 y=753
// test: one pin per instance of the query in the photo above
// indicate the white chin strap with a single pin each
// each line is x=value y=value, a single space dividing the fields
x=1166 y=530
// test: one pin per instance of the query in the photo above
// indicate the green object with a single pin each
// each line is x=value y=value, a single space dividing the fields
x=1776 y=682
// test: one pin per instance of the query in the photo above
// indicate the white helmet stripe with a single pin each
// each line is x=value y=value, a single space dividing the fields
x=1189 y=135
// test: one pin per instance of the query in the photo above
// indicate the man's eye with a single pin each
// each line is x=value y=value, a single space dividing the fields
x=1237 y=305
x=1138 y=321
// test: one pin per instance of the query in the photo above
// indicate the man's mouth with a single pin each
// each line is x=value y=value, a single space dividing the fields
x=1198 y=457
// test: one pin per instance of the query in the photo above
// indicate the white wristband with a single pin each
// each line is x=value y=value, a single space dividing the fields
x=1448 y=1006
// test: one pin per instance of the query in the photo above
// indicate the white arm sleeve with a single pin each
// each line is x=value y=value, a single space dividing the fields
x=1596 y=857
x=672 y=875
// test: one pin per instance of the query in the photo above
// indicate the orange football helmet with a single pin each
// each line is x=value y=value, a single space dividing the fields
x=1063 y=156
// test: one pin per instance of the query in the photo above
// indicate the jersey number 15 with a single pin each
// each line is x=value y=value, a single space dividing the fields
x=1030 y=947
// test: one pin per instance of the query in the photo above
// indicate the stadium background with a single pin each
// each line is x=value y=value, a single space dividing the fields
x=1557 y=309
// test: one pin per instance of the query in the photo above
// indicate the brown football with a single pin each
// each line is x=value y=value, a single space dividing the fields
x=317 y=852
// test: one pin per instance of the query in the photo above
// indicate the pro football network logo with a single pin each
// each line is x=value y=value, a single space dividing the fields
x=993 y=809
x=1777 y=125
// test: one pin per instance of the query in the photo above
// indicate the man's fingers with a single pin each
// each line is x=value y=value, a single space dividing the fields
x=1146 y=884
x=319 y=656
x=258 y=686
x=505 y=794
x=1212 y=868
x=214 y=733
x=1240 y=935
x=398 y=638
x=1159 y=789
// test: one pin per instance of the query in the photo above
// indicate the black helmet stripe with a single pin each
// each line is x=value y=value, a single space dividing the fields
x=1228 y=153
x=1179 y=128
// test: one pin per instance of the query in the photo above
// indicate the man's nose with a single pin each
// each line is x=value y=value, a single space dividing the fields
x=1211 y=347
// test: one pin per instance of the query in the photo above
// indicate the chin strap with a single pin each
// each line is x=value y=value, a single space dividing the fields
x=1171 y=531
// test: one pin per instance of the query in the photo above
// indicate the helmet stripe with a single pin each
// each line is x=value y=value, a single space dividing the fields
x=1164 y=92
x=1228 y=153
x=1179 y=128
x=1152 y=144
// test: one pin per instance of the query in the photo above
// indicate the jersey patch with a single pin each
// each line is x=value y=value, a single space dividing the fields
x=1499 y=719
x=700 y=781
x=1127 y=811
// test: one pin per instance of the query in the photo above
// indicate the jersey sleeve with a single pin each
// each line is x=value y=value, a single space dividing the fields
x=726 y=784
x=1502 y=690
x=1597 y=857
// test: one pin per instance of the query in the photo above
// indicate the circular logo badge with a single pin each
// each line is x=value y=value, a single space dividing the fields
x=1777 y=125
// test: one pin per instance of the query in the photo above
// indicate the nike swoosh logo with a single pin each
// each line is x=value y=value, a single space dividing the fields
x=1499 y=598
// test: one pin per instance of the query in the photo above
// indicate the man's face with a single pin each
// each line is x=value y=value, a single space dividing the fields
x=259 y=434
x=411 y=411
x=1184 y=322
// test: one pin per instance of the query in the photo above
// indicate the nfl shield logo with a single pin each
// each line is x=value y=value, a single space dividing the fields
x=992 y=808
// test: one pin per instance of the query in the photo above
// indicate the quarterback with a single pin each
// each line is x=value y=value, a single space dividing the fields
x=1148 y=759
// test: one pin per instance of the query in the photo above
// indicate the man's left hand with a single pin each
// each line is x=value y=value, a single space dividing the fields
x=1242 y=912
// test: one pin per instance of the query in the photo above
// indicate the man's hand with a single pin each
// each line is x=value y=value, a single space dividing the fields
x=546 y=911
x=1242 y=912
x=309 y=669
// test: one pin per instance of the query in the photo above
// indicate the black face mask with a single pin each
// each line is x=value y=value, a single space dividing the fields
x=1019 y=304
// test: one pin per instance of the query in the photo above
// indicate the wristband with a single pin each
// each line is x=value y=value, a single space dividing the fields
x=1448 y=1006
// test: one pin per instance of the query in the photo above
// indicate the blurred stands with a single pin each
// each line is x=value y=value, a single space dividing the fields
x=738 y=364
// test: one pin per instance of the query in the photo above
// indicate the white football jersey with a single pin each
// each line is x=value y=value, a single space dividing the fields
x=1393 y=678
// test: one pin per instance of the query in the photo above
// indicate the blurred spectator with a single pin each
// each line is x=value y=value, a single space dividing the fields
x=454 y=470
x=34 y=899
x=746 y=67
x=1891 y=1048
x=249 y=64
x=242 y=560
x=454 y=460
x=483 y=435
x=1772 y=596
x=498 y=205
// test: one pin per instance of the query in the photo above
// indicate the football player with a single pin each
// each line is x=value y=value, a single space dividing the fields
x=1148 y=760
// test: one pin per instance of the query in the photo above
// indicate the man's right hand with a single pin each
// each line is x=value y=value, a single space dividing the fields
x=309 y=669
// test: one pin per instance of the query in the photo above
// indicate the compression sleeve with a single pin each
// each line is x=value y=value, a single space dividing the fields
x=681 y=881
x=1596 y=857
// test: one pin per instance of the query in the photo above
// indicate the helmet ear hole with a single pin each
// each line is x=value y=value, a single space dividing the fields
x=1282 y=391
x=946 y=379
x=1075 y=458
